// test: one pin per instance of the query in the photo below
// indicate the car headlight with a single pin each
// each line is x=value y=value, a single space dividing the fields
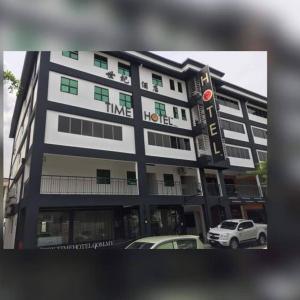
x=224 y=235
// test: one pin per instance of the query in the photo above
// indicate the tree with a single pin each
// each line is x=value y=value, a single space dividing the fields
x=14 y=83
x=262 y=171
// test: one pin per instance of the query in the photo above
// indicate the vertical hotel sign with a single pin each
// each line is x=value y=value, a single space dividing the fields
x=211 y=115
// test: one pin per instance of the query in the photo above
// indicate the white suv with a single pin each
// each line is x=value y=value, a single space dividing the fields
x=236 y=231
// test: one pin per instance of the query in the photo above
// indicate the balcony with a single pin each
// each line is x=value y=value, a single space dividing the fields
x=242 y=190
x=51 y=184
x=191 y=188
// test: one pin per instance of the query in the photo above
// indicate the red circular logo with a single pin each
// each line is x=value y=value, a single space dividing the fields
x=207 y=95
x=154 y=117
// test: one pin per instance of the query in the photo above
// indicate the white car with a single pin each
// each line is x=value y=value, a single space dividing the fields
x=168 y=242
x=234 y=232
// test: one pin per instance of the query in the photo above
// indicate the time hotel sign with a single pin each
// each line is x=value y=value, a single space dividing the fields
x=211 y=115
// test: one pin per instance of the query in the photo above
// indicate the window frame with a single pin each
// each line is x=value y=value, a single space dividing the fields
x=125 y=102
x=158 y=108
x=183 y=114
x=131 y=181
x=169 y=182
x=158 y=80
x=237 y=148
x=71 y=54
x=60 y=119
x=103 y=61
x=232 y=129
x=261 y=151
x=172 y=84
x=175 y=112
x=101 y=95
x=179 y=86
x=253 y=107
x=69 y=86
x=103 y=179
x=260 y=129
x=226 y=99
x=124 y=69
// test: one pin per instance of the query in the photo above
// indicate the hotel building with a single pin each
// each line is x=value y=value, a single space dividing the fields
x=113 y=146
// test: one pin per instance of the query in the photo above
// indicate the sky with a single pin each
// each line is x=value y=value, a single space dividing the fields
x=247 y=69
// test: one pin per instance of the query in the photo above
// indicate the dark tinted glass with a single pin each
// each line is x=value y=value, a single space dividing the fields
x=108 y=131
x=159 y=140
x=173 y=142
x=93 y=226
x=248 y=225
x=87 y=128
x=187 y=244
x=181 y=143
x=103 y=176
x=75 y=126
x=183 y=113
x=168 y=179
x=98 y=130
x=63 y=124
x=151 y=139
x=187 y=144
x=179 y=87
x=118 y=133
x=166 y=141
x=52 y=228
x=172 y=86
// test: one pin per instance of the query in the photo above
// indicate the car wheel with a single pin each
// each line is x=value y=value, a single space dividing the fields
x=234 y=243
x=262 y=239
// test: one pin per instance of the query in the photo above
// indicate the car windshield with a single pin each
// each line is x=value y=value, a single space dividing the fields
x=140 y=245
x=229 y=225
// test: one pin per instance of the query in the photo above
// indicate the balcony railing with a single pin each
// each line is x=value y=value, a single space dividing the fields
x=264 y=189
x=191 y=188
x=242 y=190
x=51 y=184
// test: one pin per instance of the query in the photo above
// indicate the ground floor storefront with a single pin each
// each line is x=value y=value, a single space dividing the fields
x=82 y=228
x=116 y=226
x=253 y=211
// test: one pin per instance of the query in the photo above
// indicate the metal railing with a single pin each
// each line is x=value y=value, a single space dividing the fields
x=191 y=188
x=52 y=184
x=264 y=190
x=242 y=190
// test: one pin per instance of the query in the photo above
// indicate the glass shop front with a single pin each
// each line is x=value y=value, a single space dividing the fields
x=84 y=229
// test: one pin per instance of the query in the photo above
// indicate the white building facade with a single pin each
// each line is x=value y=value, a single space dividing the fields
x=112 y=146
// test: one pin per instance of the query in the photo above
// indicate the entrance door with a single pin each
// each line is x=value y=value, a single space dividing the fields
x=167 y=220
x=194 y=221
x=217 y=215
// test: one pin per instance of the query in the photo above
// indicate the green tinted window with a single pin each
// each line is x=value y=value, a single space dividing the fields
x=131 y=178
x=69 y=86
x=157 y=80
x=101 y=94
x=123 y=69
x=125 y=100
x=160 y=109
x=71 y=54
x=100 y=61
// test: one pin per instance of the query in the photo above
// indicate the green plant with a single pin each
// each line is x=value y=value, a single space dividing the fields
x=262 y=171
x=14 y=83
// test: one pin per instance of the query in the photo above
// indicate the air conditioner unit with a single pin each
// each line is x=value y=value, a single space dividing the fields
x=181 y=171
